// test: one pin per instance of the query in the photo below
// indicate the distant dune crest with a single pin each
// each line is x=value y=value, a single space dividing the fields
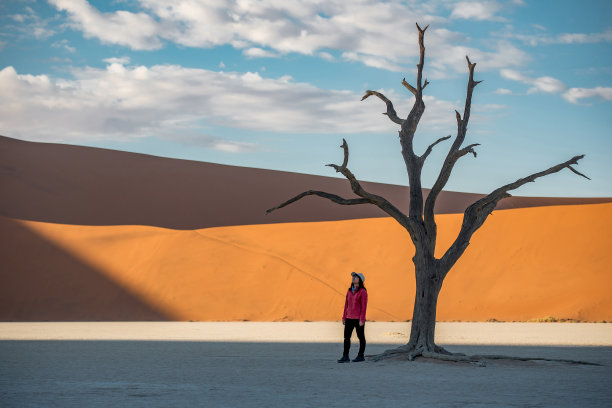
x=91 y=186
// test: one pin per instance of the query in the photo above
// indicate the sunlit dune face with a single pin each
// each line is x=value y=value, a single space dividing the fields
x=522 y=264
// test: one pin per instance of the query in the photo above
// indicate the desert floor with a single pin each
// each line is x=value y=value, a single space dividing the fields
x=294 y=364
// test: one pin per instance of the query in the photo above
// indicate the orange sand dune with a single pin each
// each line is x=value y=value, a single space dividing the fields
x=522 y=264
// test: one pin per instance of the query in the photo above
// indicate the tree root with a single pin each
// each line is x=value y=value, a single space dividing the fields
x=407 y=352
x=554 y=360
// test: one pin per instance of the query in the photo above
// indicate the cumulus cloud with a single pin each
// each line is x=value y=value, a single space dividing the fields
x=202 y=140
x=574 y=95
x=372 y=61
x=476 y=10
x=31 y=24
x=547 y=84
x=65 y=44
x=554 y=86
x=255 y=52
x=138 y=31
x=123 y=102
x=580 y=38
x=326 y=56
x=367 y=31
x=117 y=60
x=504 y=55
x=541 y=84
x=502 y=91
x=543 y=38
x=514 y=76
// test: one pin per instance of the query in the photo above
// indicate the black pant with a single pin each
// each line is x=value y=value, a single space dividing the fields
x=348 y=331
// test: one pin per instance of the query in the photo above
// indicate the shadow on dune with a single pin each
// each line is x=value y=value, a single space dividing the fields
x=90 y=186
x=40 y=281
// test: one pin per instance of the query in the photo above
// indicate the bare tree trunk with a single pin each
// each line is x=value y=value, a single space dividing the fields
x=423 y=326
x=422 y=332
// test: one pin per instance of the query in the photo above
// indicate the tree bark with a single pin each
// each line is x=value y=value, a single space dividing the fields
x=423 y=328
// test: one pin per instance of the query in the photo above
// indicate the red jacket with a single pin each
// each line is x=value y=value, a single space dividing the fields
x=355 y=305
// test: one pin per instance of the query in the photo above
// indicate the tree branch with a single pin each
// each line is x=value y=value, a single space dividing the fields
x=335 y=198
x=577 y=172
x=409 y=87
x=476 y=214
x=421 y=57
x=414 y=164
x=431 y=146
x=390 y=110
x=377 y=200
x=451 y=158
x=466 y=150
x=344 y=147
x=366 y=197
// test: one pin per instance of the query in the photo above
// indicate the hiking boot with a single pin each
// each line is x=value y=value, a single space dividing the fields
x=358 y=359
x=344 y=359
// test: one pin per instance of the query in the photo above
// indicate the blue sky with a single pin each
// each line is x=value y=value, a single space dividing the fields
x=277 y=84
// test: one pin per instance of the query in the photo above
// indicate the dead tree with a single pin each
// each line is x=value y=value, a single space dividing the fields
x=420 y=223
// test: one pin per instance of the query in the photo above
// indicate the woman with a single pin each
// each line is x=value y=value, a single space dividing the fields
x=354 y=316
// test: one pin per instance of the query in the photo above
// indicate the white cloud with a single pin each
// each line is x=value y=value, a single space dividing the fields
x=541 y=38
x=473 y=10
x=124 y=102
x=255 y=52
x=502 y=91
x=368 y=31
x=31 y=24
x=138 y=31
x=579 y=38
x=202 y=140
x=547 y=84
x=574 y=95
x=514 y=75
x=552 y=85
x=20 y=18
x=326 y=56
x=65 y=44
x=504 y=55
x=372 y=61
x=117 y=60
x=541 y=84
x=234 y=147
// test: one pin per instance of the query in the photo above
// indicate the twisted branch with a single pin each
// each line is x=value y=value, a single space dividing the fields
x=420 y=87
x=333 y=197
x=409 y=87
x=476 y=214
x=431 y=146
x=366 y=198
x=466 y=150
x=390 y=110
